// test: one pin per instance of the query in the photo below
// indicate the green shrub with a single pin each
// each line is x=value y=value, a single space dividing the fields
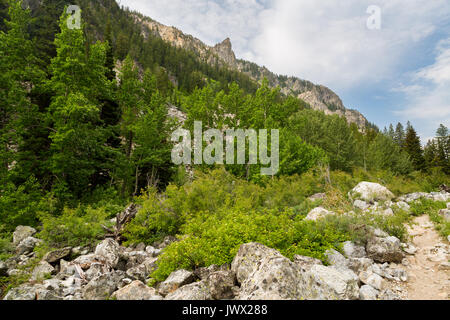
x=426 y=206
x=74 y=227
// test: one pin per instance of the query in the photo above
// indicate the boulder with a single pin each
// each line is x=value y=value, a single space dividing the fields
x=109 y=249
x=385 y=249
x=370 y=192
x=403 y=206
x=103 y=286
x=56 y=255
x=96 y=270
x=41 y=271
x=21 y=233
x=27 y=245
x=136 y=290
x=352 y=250
x=336 y=259
x=193 y=291
x=221 y=284
x=176 y=280
x=318 y=213
x=22 y=292
x=328 y=283
x=372 y=279
x=367 y=292
x=264 y=274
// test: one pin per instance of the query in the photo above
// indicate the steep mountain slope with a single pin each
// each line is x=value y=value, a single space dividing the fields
x=317 y=96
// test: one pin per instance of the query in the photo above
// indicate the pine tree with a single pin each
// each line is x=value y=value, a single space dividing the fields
x=399 y=135
x=78 y=80
x=413 y=147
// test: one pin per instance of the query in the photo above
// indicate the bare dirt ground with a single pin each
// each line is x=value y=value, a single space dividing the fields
x=428 y=279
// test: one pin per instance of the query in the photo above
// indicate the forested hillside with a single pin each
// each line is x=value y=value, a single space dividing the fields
x=85 y=131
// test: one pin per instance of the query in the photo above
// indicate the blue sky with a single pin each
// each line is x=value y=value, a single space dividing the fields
x=396 y=73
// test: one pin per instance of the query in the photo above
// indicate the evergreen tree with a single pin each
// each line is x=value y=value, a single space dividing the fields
x=78 y=80
x=399 y=135
x=414 y=149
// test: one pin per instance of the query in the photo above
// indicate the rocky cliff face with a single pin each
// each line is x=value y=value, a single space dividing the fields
x=317 y=96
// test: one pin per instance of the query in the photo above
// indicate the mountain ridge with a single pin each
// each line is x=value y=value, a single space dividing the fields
x=319 y=97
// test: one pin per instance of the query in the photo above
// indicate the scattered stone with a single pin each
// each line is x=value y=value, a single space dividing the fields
x=359 y=264
x=21 y=233
x=352 y=250
x=109 y=249
x=384 y=249
x=42 y=270
x=336 y=259
x=101 y=287
x=318 y=213
x=367 y=292
x=328 y=283
x=221 y=284
x=389 y=295
x=136 y=290
x=27 y=245
x=142 y=271
x=409 y=249
x=56 y=255
x=166 y=242
x=86 y=261
x=193 y=291
x=176 y=280
x=403 y=206
x=23 y=292
x=361 y=205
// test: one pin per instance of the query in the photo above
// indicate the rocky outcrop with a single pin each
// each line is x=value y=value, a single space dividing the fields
x=136 y=291
x=370 y=192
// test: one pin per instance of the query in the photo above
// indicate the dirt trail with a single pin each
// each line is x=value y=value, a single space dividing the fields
x=426 y=280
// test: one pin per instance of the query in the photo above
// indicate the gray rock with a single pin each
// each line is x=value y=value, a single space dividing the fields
x=193 y=291
x=362 y=205
x=27 y=245
x=384 y=249
x=164 y=243
x=142 y=271
x=370 y=192
x=21 y=233
x=389 y=295
x=336 y=259
x=264 y=274
x=152 y=251
x=368 y=293
x=136 y=291
x=109 y=249
x=328 y=283
x=134 y=258
x=56 y=255
x=44 y=294
x=176 y=280
x=96 y=270
x=359 y=264
x=23 y=292
x=41 y=270
x=221 y=284
x=352 y=250
x=203 y=273
x=403 y=206
x=86 y=261
x=374 y=280
x=305 y=263
x=318 y=213
x=102 y=287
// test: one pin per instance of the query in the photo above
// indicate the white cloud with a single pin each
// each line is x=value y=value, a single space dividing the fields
x=428 y=96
